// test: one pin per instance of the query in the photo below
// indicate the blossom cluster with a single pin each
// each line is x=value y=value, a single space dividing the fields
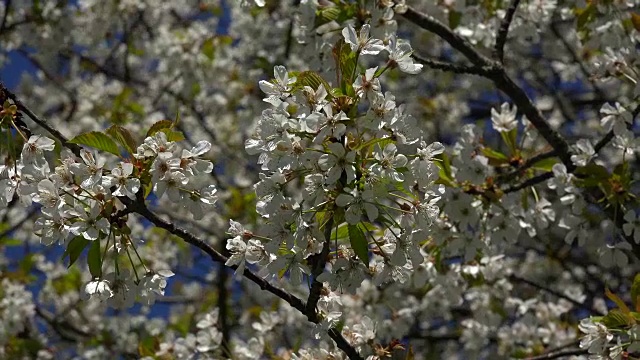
x=80 y=202
x=415 y=208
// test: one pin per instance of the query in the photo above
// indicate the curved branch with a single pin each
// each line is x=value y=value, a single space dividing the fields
x=456 y=41
x=140 y=208
x=496 y=73
x=291 y=299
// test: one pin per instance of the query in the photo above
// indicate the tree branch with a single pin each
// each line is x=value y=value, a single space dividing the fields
x=140 y=208
x=291 y=299
x=41 y=122
x=503 y=31
x=456 y=41
x=498 y=75
x=316 y=286
x=530 y=182
x=454 y=68
x=559 y=354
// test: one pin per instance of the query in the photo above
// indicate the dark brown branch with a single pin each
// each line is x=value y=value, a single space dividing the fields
x=527 y=164
x=223 y=297
x=17 y=225
x=530 y=182
x=524 y=104
x=431 y=24
x=140 y=208
x=291 y=299
x=498 y=75
x=503 y=31
x=559 y=354
x=454 y=68
x=321 y=262
x=41 y=122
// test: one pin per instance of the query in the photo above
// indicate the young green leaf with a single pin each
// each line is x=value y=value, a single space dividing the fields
x=75 y=248
x=97 y=140
x=160 y=125
x=123 y=137
x=94 y=260
x=359 y=243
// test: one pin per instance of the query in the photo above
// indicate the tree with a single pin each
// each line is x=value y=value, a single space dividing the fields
x=319 y=180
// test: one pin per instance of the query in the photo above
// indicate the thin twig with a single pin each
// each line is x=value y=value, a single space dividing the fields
x=555 y=293
x=41 y=122
x=559 y=354
x=449 y=67
x=321 y=262
x=503 y=30
x=291 y=299
x=530 y=182
x=497 y=74
x=527 y=164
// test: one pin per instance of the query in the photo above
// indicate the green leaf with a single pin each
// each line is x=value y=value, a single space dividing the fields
x=97 y=140
x=162 y=124
x=208 y=49
x=617 y=319
x=635 y=292
x=622 y=173
x=94 y=260
x=382 y=141
x=341 y=234
x=123 y=137
x=545 y=164
x=343 y=231
x=359 y=243
x=495 y=156
x=75 y=248
x=594 y=171
x=509 y=139
x=328 y=14
x=313 y=80
x=454 y=19
x=444 y=163
x=635 y=20
x=136 y=108
x=346 y=61
x=585 y=16
x=26 y=264
x=177 y=119
x=616 y=299
x=173 y=135
x=148 y=346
